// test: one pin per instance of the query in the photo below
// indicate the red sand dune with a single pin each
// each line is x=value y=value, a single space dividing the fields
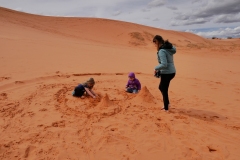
x=42 y=59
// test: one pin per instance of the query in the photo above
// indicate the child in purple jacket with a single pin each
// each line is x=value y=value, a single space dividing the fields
x=133 y=85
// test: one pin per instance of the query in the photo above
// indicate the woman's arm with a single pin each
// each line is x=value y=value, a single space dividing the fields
x=163 y=60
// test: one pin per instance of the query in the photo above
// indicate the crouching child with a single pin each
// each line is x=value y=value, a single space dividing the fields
x=133 y=85
x=85 y=87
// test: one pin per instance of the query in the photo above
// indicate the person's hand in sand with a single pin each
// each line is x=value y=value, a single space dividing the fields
x=90 y=92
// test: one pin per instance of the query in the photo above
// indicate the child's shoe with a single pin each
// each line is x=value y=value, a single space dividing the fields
x=73 y=93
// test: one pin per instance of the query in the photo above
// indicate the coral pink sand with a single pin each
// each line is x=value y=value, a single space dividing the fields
x=42 y=59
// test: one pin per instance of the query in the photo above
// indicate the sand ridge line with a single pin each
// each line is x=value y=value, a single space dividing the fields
x=22 y=83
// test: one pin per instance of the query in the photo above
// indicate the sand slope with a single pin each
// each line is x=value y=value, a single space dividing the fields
x=42 y=59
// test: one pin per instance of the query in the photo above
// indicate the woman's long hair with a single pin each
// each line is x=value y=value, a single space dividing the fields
x=165 y=44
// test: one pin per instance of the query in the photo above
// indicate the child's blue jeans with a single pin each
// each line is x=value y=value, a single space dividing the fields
x=132 y=90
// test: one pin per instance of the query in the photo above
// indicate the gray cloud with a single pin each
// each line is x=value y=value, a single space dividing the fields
x=182 y=16
x=116 y=13
x=196 y=1
x=156 y=19
x=145 y=10
x=189 y=22
x=227 y=19
x=172 y=7
x=216 y=8
x=195 y=21
x=227 y=10
x=156 y=3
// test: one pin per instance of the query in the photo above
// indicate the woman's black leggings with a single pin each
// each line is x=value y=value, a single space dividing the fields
x=163 y=87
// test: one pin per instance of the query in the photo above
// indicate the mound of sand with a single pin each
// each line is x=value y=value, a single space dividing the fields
x=144 y=97
x=105 y=102
x=107 y=107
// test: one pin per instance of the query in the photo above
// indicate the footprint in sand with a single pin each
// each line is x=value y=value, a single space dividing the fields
x=211 y=149
x=19 y=82
x=60 y=124
x=4 y=78
x=28 y=150
x=3 y=96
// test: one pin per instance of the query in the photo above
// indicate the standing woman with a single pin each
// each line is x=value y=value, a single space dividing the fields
x=166 y=67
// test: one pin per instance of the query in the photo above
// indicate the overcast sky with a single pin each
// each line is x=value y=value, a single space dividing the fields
x=208 y=18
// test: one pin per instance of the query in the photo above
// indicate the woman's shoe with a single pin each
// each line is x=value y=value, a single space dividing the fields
x=168 y=107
